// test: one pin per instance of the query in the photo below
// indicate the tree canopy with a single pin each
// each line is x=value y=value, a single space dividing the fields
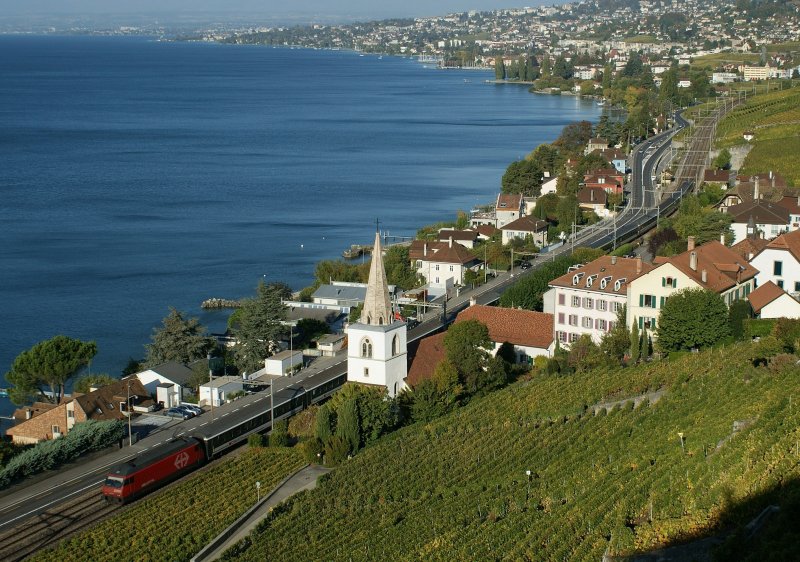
x=178 y=339
x=259 y=328
x=85 y=383
x=467 y=346
x=692 y=318
x=51 y=363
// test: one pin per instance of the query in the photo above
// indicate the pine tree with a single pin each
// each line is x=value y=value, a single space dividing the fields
x=347 y=425
x=260 y=327
x=323 y=423
x=179 y=339
x=635 y=341
x=499 y=68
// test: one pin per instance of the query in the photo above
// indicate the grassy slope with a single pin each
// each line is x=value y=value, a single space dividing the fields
x=176 y=524
x=456 y=489
x=775 y=120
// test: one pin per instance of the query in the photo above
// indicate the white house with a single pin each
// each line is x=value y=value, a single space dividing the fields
x=779 y=262
x=530 y=332
x=770 y=301
x=525 y=227
x=442 y=264
x=166 y=382
x=550 y=186
x=758 y=216
x=508 y=208
x=283 y=363
x=376 y=344
x=219 y=390
x=330 y=344
x=712 y=266
x=587 y=299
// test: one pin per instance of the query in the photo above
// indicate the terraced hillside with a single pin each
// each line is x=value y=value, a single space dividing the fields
x=615 y=483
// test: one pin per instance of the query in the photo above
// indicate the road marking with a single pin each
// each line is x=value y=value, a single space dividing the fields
x=62 y=498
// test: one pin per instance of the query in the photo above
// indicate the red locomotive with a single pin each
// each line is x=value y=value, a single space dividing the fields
x=152 y=469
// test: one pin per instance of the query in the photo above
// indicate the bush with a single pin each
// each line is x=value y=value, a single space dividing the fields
x=279 y=437
x=256 y=440
x=47 y=455
x=336 y=451
x=312 y=450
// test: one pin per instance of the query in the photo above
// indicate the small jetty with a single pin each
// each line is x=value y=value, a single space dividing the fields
x=355 y=251
x=220 y=303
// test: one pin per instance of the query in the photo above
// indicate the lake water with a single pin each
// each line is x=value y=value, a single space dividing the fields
x=138 y=175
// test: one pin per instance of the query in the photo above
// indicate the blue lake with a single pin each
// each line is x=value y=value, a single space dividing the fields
x=138 y=175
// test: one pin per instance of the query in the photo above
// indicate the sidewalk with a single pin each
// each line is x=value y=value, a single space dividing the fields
x=304 y=479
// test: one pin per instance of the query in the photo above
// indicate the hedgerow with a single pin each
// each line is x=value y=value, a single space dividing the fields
x=83 y=438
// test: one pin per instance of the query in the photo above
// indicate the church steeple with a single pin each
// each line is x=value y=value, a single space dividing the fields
x=377 y=309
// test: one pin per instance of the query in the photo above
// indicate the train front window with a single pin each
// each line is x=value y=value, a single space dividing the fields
x=114 y=482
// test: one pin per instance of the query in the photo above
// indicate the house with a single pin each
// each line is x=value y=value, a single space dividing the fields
x=770 y=301
x=330 y=344
x=760 y=187
x=467 y=238
x=748 y=135
x=617 y=159
x=442 y=264
x=749 y=247
x=791 y=204
x=764 y=217
x=109 y=402
x=531 y=333
x=684 y=83
x=609 y=180
x=587 y=299
x=283 y=363
x=166 y=382
x=218 y=391
x=779 y=262
x=722 y=177
x=593 y=199
x=712 y=266
x=549 y=186
x=342 y=294
x=596 y=143
x=525 y=227
x=508 y=208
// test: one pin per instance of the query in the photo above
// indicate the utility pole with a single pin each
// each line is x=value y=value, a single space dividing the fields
x=130 y=434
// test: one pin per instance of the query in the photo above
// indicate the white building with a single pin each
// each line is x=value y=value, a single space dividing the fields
x=442 y=264
x=779 y=262
x=508 y=208
x=712 y=266
x=166 y=382
x=526 y=227
x=529 y=332
x=283 y=363
x=770 y=301
x=219 y=390
x=376 y=344
x=587 y=299
x=758 y=217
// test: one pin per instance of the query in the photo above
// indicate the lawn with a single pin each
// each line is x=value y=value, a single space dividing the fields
x=718 y=59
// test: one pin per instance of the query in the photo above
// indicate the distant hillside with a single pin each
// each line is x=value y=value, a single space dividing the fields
x=718 y=445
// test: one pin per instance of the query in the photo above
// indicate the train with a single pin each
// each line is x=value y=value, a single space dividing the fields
x=166 y=462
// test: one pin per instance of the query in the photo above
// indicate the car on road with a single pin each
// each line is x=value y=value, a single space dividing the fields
x=178 y=413
x=196 y=410
x=525 y=265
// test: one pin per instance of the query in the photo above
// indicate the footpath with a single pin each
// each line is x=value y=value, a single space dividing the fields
x=303 y=479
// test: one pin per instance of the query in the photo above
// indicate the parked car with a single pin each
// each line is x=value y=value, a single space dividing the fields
x=178 y=413
x=195 y=409
x=525 y=265
x=184 y=408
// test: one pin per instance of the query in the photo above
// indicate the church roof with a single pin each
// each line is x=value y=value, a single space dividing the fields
x=377 y=309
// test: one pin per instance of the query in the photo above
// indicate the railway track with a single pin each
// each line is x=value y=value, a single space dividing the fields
x=54 y=525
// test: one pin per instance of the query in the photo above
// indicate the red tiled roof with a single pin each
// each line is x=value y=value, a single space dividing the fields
x=440 y=252
x=509 y=202
x=430 y=353
x=749 y=246
x=592 y=196
x=789 y=242
x=791 y=204
x=723 y=266
x=526 y=224
x=762 y=212
x=602 y=268
x=486 y=230
x=470 y=235
x=717 y=176
x=518 y=327
x=764 y=295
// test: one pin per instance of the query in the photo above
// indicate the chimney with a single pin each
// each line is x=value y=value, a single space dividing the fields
x=472 y=301
x=722 y=238
x=756 y=194
x=704 y=276
x=750 y=256
x=770 y=175
x=425 y=249
x=28 y=413
x=690 y=243
x=613 y=260
x=450 y=241
x=591 y=195
x=638 y=264
x=693 y=260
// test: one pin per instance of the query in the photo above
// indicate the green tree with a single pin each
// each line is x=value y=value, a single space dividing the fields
x=738 y=312
x=51 y=363
x=523 y=176
x=438 y=395
x=692 y=318
x=669 y=86
x=347 y=424
x=467 y=346
x=723 y=159
x=499 y=68
x=562 y=68
x=398 y=268
x=260 y=326
x=279 y=436
x=574 y=137
x=309 y=329
x=617 y=341
x=85 y=383
x=635 y=341
x=323 y=425
x=179 y=339
x=546 y=207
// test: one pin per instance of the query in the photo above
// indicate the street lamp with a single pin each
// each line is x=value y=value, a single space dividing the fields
x=258 y=492
x=528 y=493
x=680 y=434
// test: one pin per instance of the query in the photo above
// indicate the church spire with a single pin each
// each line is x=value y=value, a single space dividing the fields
x=377 y=309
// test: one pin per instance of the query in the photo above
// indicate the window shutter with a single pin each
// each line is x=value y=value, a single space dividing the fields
x=663 y=281
x=641 y=322
x=641 y=300
x=674 y=282
x=653 y=324
x=662 y=302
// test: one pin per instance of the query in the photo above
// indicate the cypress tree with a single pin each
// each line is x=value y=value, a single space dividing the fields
x=635 y=341
x=323 y=423
x=347 y=424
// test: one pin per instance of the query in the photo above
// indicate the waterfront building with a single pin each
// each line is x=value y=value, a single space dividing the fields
x=376 y=344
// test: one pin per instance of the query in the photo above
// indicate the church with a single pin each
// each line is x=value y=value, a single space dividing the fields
x=376 y=344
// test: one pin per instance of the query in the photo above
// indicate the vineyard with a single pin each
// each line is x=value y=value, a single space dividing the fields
x=177 y=523
x=722 y=434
